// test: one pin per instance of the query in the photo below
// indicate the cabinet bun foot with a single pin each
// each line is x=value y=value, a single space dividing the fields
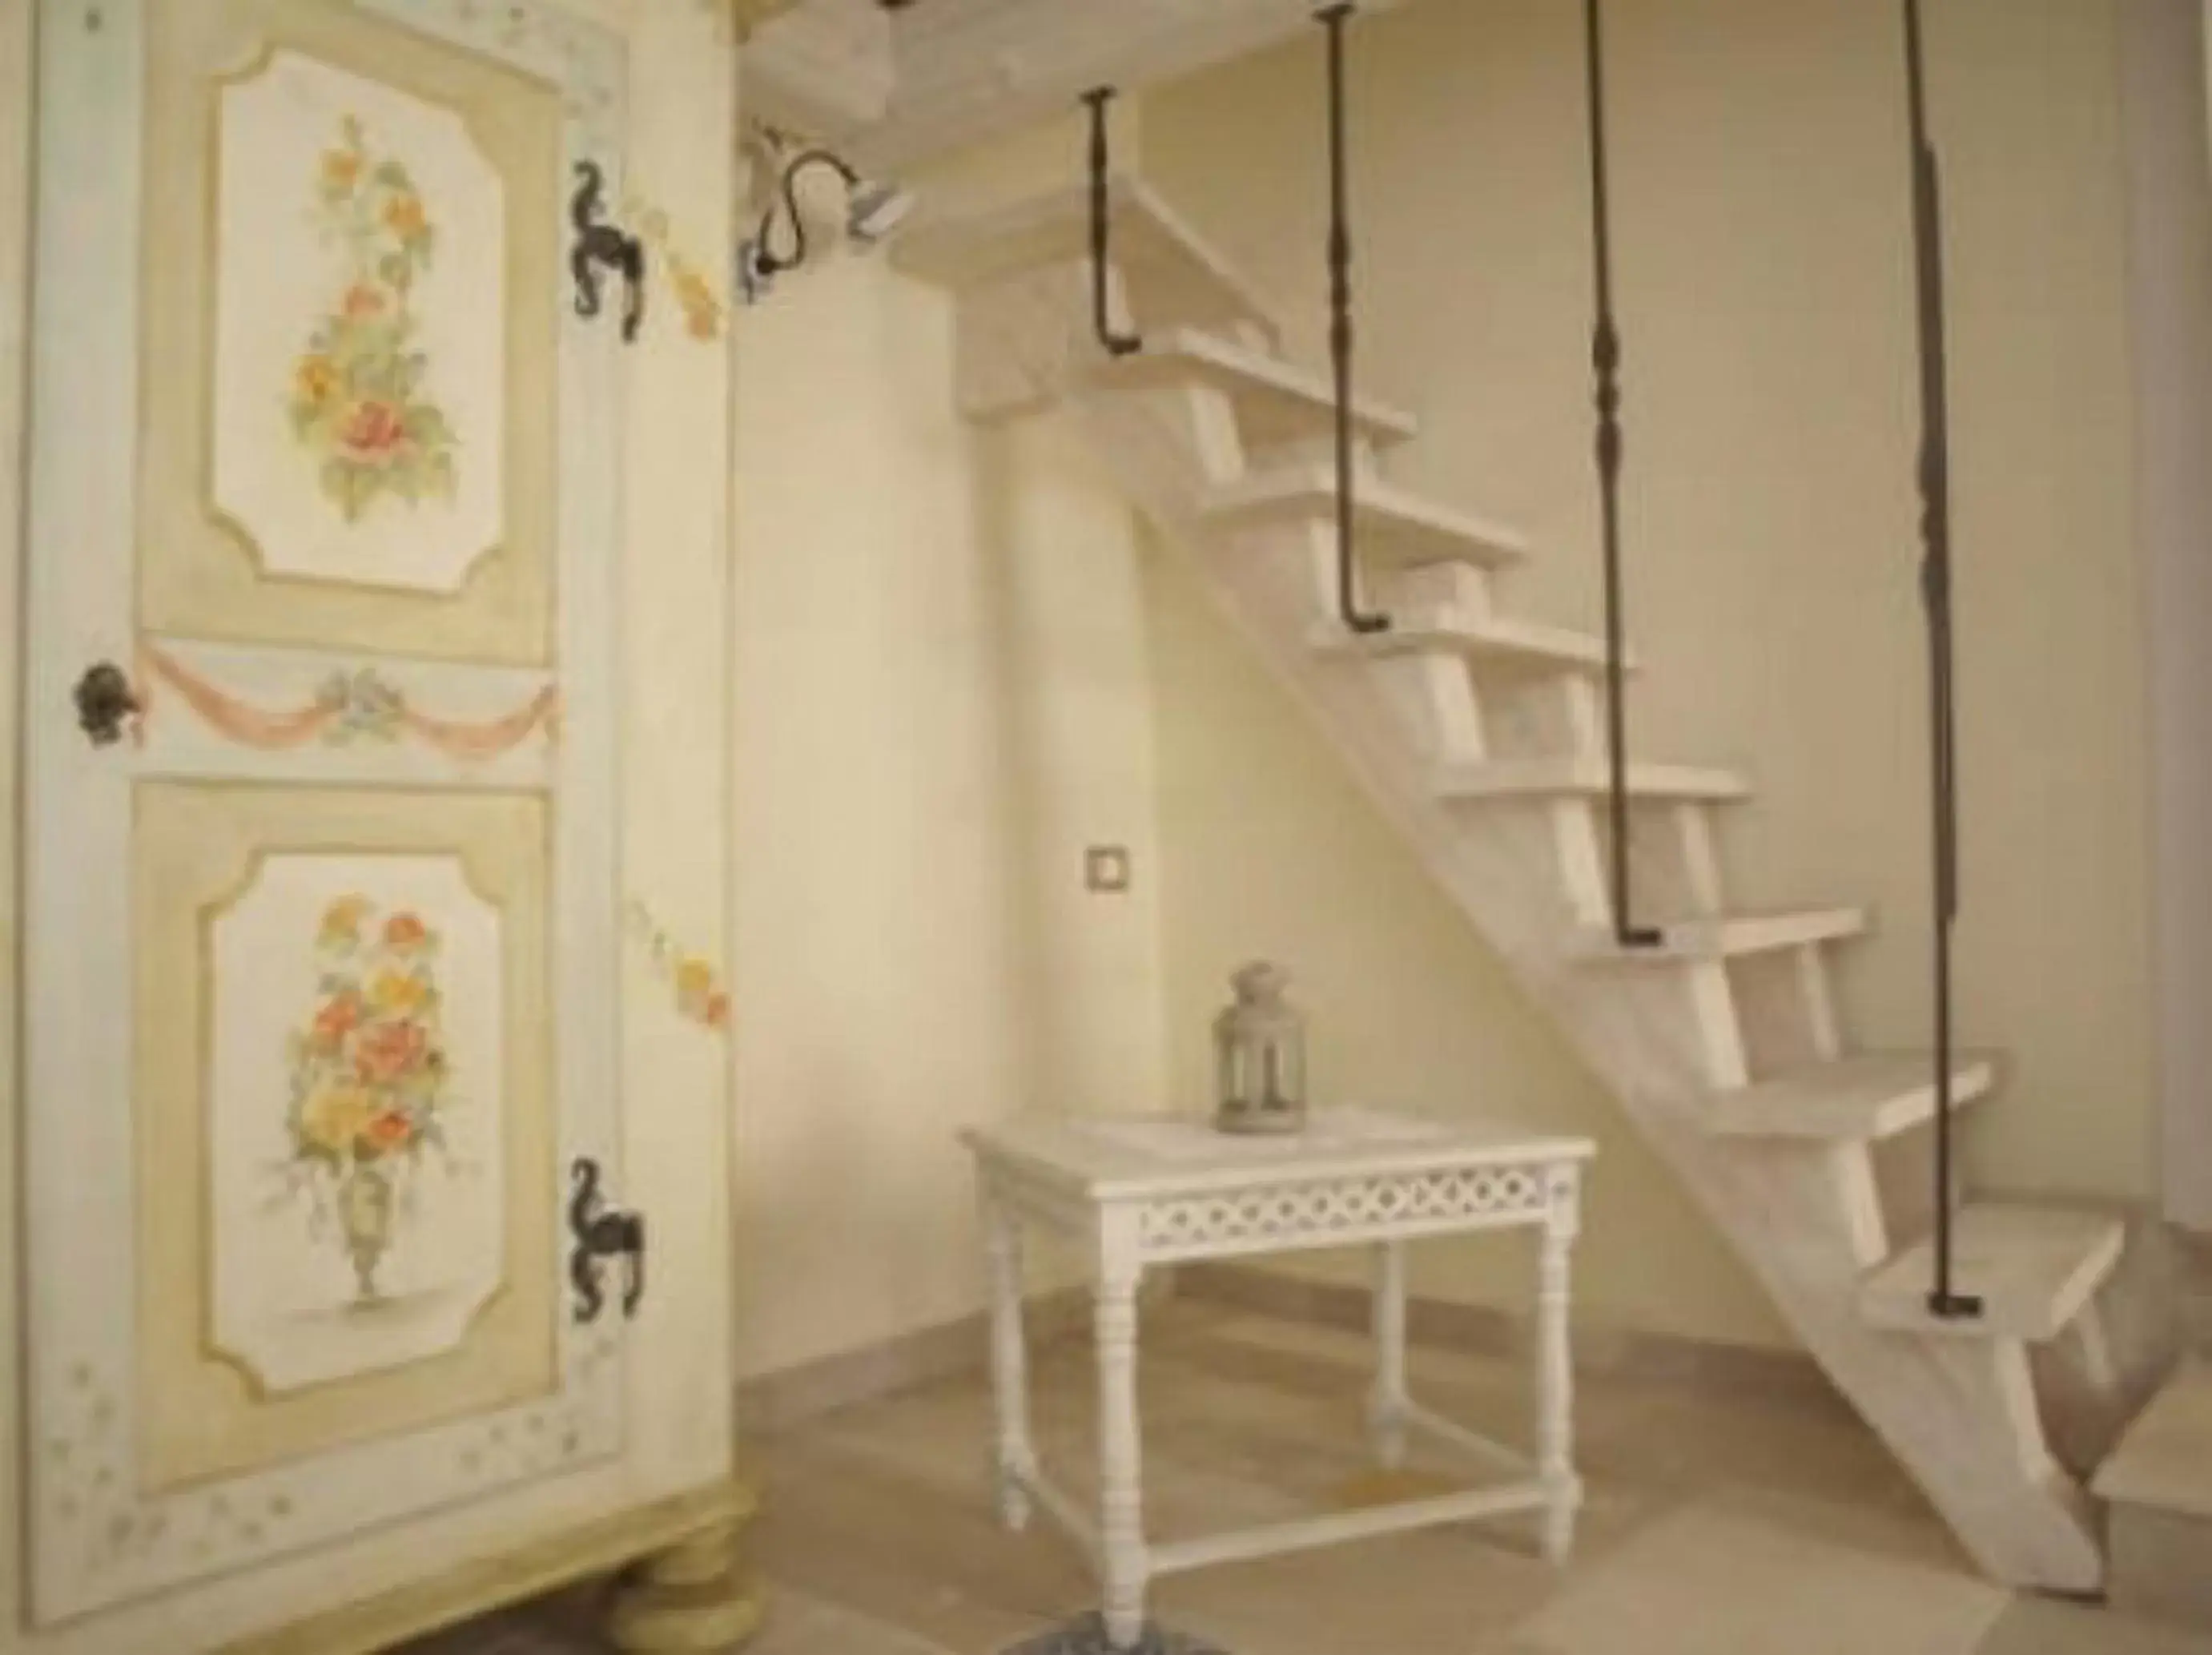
x=698 y=1597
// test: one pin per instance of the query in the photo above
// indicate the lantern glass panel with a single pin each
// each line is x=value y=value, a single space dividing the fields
x=1259 y=1056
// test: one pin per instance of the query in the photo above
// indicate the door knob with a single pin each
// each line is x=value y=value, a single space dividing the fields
x=105 y=701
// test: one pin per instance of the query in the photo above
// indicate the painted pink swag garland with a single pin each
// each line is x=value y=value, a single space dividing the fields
x=389 y=715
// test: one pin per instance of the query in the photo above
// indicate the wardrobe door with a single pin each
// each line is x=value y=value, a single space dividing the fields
x=322 y=919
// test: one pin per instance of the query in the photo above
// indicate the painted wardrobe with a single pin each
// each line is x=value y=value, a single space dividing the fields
x=367 y=575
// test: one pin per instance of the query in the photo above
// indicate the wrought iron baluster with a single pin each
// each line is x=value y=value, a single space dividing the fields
x=1116 y=343
x=1605 y=359
x=1356 y=619
x=1935 y=591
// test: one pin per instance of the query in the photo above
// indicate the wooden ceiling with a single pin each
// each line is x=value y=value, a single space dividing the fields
x=750 y=15
x=897 y=86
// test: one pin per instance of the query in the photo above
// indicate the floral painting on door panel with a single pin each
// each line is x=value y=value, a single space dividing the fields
x=359 y=329
x=357 y=1099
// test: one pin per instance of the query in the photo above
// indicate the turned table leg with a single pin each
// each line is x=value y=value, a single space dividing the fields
x=1016 y=1458
x=1121 y=1529
x=1555 y=1371
x=698 y=1597
x=1387 y=1400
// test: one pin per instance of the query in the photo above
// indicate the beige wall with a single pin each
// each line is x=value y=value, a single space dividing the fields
x=1764 y=281
x=2170 y=221
x=15 y=71
x=942 y=699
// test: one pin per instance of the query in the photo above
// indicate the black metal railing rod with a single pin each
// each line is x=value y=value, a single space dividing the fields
x=1604 y=360
x=1116 y=343
x=1356 y=619
x=1935 y=590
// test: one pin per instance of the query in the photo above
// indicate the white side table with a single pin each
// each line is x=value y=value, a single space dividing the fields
x=1160 y=1190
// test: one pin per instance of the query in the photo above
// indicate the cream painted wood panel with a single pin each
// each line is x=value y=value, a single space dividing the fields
x=324 y=957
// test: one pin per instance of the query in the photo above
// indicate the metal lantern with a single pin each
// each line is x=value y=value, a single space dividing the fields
x=1260 y=1050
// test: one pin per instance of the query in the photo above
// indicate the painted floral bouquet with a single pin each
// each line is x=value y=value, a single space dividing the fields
x=369 y=1074
x=357 y=396
x=369 y=1067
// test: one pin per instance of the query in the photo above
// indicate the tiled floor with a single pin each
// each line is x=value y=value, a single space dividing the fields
x=1718 y=1523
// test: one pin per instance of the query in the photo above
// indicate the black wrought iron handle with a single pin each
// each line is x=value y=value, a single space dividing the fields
x=601 y=246
x=602 y=1233
x=106 y=703
x=1101 y=229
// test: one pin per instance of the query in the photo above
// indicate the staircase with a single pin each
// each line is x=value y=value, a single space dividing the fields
x=2157 y=1485
x=1480 y=735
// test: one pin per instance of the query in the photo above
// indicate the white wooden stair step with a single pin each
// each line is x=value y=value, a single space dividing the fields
x=1589 y=777
x=1169 y=269
x=1396 y=529
x=1728 y=937
x=1492 y=642
x=2165 y=1460
x=2158 y=1483
x=2033 y=1268
x=1857 y=1099
x=1277 y=401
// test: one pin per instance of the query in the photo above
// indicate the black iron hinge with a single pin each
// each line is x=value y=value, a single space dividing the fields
x=602 y=1233
x=600 y=246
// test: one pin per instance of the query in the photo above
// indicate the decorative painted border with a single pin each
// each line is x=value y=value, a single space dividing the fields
x=360 y=705
x=705 y=308
x=589 y=64
x=701 y=993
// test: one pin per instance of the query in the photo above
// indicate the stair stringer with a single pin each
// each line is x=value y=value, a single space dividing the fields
x=1959 y=1413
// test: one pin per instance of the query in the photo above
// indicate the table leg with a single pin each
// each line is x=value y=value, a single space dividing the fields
x=1555 y=1372
x=1386 y=1402
x=1017 y=1459
x=1121 y=1528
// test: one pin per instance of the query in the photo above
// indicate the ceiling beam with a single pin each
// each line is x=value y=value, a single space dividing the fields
x=825 y=68
x=746 y=15
x=962 y=71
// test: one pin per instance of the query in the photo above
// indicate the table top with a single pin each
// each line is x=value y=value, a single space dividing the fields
x=1105 y=1158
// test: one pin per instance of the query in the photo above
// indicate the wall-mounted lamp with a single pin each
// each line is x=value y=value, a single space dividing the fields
x=874 y=207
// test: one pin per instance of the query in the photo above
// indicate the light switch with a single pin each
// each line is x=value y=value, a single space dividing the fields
x=1106 y=869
